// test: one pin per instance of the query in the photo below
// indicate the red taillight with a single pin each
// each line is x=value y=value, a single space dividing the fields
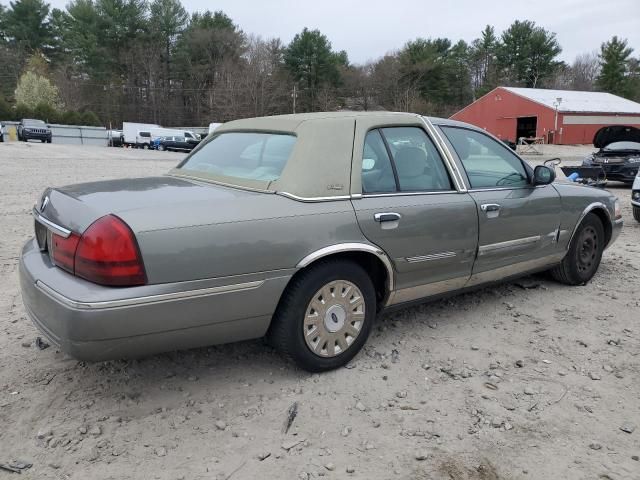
x=108 y=254
x=63 y=250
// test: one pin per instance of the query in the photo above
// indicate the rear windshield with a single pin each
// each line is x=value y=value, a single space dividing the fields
x=246 y=155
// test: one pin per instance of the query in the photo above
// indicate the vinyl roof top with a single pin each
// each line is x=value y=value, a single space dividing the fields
x=574 y=101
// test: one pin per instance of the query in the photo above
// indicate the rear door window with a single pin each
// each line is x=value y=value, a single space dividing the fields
x=377 y=171
x=417 y=161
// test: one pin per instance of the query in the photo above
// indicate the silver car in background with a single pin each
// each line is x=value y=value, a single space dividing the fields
x=302 y=228
x=635 y=197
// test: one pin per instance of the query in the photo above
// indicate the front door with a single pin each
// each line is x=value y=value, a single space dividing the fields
x=410 y=208
x=518 y=222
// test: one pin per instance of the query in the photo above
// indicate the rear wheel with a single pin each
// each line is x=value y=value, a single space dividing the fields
x=325 y=315
x=636 y=213
x=585 y=252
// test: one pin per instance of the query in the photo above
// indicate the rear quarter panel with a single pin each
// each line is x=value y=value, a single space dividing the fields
x=263 y=233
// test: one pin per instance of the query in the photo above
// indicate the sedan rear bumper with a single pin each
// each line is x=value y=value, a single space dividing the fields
x=91 y=322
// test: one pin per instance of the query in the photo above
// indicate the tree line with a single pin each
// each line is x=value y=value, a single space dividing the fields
x=108 y=61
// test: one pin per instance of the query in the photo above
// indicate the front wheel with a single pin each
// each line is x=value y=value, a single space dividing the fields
x=325 y=315
x=585 y=252
x=636 y=213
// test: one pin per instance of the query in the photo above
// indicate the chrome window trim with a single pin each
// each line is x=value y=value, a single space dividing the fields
x=352 y=247
x=175 y=173
x=357 y=196
x=509 y=244
x=313 y=199
x=431 y=257
x=446 y=154
x=145 y=300
x=55 y=228
x=498 y=189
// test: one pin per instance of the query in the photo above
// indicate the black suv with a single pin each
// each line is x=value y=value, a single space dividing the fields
x=30 y=129
x=618 y=154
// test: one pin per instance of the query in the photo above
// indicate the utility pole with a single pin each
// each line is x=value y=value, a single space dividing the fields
x=294 y=95
x=555 y=123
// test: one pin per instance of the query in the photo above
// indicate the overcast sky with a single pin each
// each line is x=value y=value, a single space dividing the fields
x=369 y=29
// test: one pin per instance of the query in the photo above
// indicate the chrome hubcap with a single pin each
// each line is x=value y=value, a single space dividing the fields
x=334 y=318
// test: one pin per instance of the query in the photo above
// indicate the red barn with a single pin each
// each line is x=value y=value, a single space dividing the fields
x=558 y=116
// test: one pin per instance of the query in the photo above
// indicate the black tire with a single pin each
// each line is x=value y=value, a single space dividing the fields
x=636 y=213
x=286 y=332
x=49 y=141
x=585 y=252
x=42 y=141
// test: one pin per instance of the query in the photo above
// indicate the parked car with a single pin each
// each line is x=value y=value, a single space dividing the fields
x=635 y=197
x=143 y=139
x=32 y=129
x=177 y=144
x=115 y=138
x=302 y=228
x=618 y=154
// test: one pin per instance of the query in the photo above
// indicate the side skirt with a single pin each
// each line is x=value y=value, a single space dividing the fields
x=476 y=282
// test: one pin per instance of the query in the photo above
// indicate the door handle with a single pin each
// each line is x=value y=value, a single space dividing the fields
x=490 y=207
x=387 y=217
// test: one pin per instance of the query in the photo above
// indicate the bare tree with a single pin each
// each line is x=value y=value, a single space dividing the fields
x=584 y=71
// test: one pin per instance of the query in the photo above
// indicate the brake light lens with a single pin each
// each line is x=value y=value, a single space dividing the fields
x=108 y=254
x=63 y=250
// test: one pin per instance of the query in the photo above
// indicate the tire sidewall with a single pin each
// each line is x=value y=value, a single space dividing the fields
x=574 y=251
x=312 y=282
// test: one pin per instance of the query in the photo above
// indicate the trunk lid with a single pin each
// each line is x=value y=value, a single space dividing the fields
x=148 y=203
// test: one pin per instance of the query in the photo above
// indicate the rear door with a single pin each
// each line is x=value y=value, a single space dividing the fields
x=409 y=206
x=518 y=222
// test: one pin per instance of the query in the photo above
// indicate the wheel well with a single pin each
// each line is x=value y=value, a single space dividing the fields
x=606 y=223
x=370 y=263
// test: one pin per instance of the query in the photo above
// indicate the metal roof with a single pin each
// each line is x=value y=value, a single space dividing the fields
x=574 y=101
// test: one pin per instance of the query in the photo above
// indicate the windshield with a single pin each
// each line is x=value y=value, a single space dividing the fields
x=623 y=146
x=246 y=155
x=33 y=122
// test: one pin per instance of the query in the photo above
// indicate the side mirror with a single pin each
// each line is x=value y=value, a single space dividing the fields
x=543 y=175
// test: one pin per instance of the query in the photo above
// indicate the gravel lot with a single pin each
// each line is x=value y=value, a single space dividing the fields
x=528 y=380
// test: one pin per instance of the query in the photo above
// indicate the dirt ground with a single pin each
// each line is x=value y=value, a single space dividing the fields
x=528 y=380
